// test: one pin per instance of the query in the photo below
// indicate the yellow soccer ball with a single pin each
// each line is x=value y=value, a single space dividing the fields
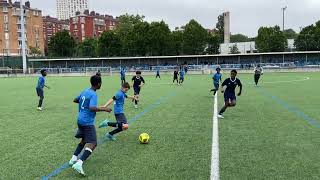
x=144 y=138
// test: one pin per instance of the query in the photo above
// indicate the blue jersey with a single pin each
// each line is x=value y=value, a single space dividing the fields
x=217 y=78
x=123 y=73
x=181 y=74
x=41 y=82
x=88 y=98
x=119 y=102
x=158 y=71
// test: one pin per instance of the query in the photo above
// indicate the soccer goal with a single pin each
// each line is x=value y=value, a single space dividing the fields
x=105 y=71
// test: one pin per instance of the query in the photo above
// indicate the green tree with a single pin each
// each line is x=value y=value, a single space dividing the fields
x=159 y=37
x=239 y=38
x=271 y=39
x=139 y=40
x=88 y=48
x=290 y=34
x=125 y=31
x=34 y=51
x=220 y=28
x=61 y=44
x=213 y=44
x=234 y=49
x=109 y=44
x=309 y=38
x=176 y=42
x=194 y=38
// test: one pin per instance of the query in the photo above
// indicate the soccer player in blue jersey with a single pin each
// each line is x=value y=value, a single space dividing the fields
x=158 y=73
x=41 y=84
x=121 y=124
x=229 y=93
x=217 y=78
x=123 y=75
x=88 y=106
x=181 y=79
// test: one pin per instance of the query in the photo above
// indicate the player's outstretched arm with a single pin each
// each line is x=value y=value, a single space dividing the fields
x=223 y=86
x=133 y=98
x=100 y=109
x=222 y=89
x=47 y=86
x=142 y=82
x=240 y=91
x=108 y=103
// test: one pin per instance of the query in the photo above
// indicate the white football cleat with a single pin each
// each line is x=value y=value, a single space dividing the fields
x=39 y=108
x=220 y=116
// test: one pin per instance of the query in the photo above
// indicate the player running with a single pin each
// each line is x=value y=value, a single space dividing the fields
x=229 y=93
x=88 y=106
x=41 y=84
x=158 y=73
x=258 y=72
x=121 y=124
x=138 y=82
x=175 y=76
x=217 y=78
x=181 y=79
x=123 y=75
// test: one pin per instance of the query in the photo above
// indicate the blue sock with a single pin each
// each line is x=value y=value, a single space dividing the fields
x=79 y=149
x=86 y=154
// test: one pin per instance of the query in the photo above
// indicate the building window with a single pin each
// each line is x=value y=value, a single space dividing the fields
x=5 y=9
x=6 y=27
x=6 y=36
x=82 y=20
x=6 y=18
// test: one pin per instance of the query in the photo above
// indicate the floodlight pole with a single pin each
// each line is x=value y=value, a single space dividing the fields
x=23 y=38
x=283 y=11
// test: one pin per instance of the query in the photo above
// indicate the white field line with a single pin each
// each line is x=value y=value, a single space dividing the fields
x=214 y=174
x=289 y=81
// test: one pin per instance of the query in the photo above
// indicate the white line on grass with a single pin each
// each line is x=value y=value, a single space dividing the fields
x=289 y=81
x=214 y=174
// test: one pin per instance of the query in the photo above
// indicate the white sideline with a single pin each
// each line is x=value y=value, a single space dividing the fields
x=214 y=174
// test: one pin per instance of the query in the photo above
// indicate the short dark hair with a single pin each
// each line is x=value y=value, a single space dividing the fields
x=42 y=71
x=218 y=69
x=234 y=71
x=95 y=80
x=126 y=85
x=138 y=72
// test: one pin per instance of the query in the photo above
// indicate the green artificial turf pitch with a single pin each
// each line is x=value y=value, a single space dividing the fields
x=272 y=133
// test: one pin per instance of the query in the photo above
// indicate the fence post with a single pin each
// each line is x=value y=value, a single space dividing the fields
x=306 y=58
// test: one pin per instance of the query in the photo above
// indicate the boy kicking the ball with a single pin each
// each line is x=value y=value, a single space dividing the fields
x=229 y=93
x=88 y=106
x=118 y=100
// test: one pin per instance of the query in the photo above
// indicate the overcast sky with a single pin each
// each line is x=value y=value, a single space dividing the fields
x=246 y=15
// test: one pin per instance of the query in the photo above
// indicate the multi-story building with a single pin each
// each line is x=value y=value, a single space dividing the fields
x=51 y=26
x=11 y=24
x=90 y=25
x=68 y=8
